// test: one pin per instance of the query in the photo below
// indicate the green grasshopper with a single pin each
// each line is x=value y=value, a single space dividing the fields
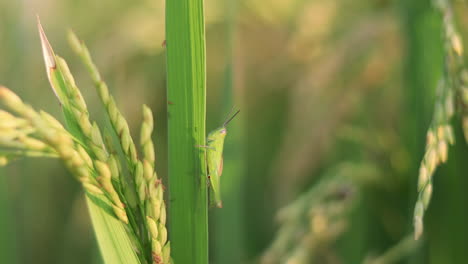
x=214 y=159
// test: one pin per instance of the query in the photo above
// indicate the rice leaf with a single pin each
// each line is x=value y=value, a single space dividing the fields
x=114 y=243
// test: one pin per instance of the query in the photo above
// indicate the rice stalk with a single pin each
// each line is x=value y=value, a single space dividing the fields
x=129 y=230
x=119 y=124
x=146 y=183
x=452 y=88
x=186 y=90
x=76 y=114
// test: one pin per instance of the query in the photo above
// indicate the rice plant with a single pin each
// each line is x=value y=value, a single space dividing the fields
x=316 y=219
x=329 y=91
x=451 y=89
x=124 y=193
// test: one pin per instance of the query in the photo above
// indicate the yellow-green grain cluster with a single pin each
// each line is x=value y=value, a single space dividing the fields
x=93 y=161
x=452 y=87
x=439 y=137
x=150 y=190
x=118 y=121
x=40 y=132
x=148 y=186
x=87 y=135
x=317 y=218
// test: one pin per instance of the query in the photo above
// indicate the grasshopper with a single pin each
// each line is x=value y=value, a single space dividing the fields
x=214 y=160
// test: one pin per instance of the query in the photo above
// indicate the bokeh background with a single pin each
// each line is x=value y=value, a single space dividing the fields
x=335 y=99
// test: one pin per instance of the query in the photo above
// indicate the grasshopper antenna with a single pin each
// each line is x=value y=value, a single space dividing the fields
x=230 y=119
x=229 y=113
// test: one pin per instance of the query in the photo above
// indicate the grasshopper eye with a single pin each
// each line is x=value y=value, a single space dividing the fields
x=223 y=131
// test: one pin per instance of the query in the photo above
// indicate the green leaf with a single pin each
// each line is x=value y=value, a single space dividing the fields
x=114 y=243
x=186 y=91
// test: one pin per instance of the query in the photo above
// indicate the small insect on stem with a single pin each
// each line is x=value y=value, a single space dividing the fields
x=214 y=158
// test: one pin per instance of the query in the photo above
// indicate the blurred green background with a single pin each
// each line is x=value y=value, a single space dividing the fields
x=328 y=90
